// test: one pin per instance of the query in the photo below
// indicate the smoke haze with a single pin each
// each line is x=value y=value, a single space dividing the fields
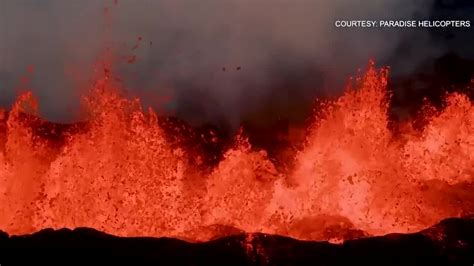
x=216 y=60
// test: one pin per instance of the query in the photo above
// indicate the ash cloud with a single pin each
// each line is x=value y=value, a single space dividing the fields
x=216 y=60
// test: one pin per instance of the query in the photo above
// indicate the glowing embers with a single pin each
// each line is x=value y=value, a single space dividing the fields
x=120 y=174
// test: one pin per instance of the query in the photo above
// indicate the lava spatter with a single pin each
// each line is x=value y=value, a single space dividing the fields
x=120 y=174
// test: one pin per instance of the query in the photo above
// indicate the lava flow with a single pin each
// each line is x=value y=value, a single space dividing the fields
x=355 y=177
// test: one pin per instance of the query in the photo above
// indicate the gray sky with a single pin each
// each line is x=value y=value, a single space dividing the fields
x=286 y=50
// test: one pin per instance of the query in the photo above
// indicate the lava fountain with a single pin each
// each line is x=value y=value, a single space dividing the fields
x=354 y=177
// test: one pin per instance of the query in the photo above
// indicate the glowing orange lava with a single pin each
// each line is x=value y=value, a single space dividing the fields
x=118 y=173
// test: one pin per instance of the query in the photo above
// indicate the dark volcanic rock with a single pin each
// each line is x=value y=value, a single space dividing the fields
x=447 y=243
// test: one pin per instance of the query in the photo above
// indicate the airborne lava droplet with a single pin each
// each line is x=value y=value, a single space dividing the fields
x=132 y=59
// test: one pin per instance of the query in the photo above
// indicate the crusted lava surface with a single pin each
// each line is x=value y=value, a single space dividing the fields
x=449 y=242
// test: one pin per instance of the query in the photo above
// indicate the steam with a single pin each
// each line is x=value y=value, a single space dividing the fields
x=216 y=60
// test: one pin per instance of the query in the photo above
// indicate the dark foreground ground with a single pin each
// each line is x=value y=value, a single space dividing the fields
x=451 y=242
